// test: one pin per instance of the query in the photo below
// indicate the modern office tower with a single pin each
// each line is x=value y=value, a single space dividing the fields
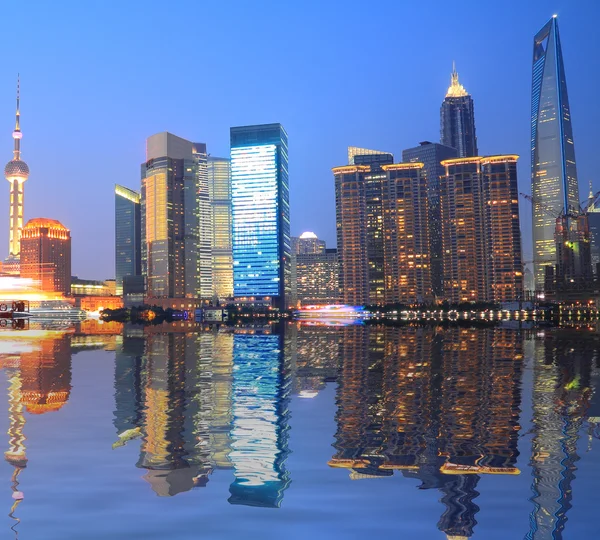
x=431 y=155
x=407 y=264
x=593 y=215
x=174 y=208
x=354 y=151
x=204 y=263
x=260 y=420
x=16 y=172
x=261 y=214
x=317 y=278
x=128 y=235
x=457 y=119
x=480 y=230
x=553 y=169
x=219 y=189
x=46 y=255
x=307 y=242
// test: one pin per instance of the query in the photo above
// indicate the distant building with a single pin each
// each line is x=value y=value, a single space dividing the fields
x=307 y=242
x=573 y=254
x=481 y=238
x=354 y=151
x=261 y=214
x=407 y=261
x=317 y=277
x=91 y=287
x=553 y=170
x=175 y=214
x=593 y=214
x=128 y=235
x=219 y=190
x=46 y=255
x=457 y=119
x=431 y=155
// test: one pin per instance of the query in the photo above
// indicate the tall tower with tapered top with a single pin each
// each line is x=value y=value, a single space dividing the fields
x=16 y=172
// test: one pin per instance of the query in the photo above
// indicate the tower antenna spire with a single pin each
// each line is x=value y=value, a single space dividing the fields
x=18 y=123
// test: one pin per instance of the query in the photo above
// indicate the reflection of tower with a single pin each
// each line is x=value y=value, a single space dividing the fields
x=128 y=387
x=560 y=400
x=260 y=418
x=16 y=172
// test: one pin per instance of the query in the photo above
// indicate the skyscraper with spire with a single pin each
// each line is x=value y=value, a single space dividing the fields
x=16 y=172
x=553 y=170
x=457 y=119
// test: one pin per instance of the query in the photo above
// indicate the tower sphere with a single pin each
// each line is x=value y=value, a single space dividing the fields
x=16 y=170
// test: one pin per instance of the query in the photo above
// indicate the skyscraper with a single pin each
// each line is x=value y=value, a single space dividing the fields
x=175 y=212
x=457 y=119
x=553 y=169
x=46 y=254
x=261 y=214
x=128 y=247
x=407 y=266
x=219 y=189
x=480 y=230
x=307 y=242
x=16 y=172
x=431 y=155
x=317 y=277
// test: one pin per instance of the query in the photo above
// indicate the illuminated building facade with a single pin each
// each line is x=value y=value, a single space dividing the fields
x=431 y=155
x=16 y=172
x=317 y=277
x=261 y=214
x=407 y=264
x=46 y=255
x=457 y=119
x=307 y=242
x=359 y=222
x=128 y=235
x=553 y=170
x=219 y=189
x=573 y=251
x=593 y=215
x=91 y=287
x=354 y=151
x=481 y=239
x=175 y=211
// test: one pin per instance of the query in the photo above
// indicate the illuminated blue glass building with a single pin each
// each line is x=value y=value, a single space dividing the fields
x=260 y=214
x=553 y=170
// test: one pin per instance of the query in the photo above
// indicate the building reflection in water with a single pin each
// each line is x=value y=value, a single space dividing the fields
x=37 y=362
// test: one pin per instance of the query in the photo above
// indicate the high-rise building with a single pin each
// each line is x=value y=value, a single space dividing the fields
x=261 y=214
x=46 y=255
x=175 y=213
x=317 y=277
x=407 y=265
x=354 y=151
x=431 y=155
x=128 y=232
x=457 y=119
x=593 y=215
x=480 y=230
x=553 y=170
x=219 y=189
x=16 y=172
x=573 y=254
x=307 y=242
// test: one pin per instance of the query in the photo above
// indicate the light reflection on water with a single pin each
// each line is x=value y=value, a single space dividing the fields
x=472 y=414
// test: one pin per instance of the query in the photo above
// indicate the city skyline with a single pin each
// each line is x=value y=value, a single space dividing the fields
x=502 y=118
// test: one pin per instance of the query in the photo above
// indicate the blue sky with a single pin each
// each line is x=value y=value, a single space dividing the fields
x=98 y=77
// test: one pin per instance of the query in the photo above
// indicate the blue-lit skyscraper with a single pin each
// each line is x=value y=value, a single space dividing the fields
x=260 y=213
x=553 y=170
x=128 y=241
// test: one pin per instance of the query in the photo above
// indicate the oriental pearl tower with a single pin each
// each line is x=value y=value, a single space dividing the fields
x=16 y=172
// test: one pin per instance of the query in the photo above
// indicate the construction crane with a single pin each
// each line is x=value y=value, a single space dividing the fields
x=546 y=208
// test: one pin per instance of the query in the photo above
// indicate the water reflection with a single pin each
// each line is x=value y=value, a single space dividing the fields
x=442 y=406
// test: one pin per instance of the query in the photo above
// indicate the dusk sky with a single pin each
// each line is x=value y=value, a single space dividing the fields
x=98 y=77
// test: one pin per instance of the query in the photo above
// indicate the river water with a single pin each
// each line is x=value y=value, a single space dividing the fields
x=295 y=432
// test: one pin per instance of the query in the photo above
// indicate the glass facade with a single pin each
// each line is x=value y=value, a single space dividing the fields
x=219 y=188
x=128 y=255
x=260 y=213
x=170 y=215
x=553 y=170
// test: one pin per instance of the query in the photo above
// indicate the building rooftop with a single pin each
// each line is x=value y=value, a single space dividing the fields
x=36 y=223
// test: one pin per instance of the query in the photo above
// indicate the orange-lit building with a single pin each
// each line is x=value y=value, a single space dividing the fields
x=407 y=260
x=98 y=303
x=46 y=254
x=481 y=239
